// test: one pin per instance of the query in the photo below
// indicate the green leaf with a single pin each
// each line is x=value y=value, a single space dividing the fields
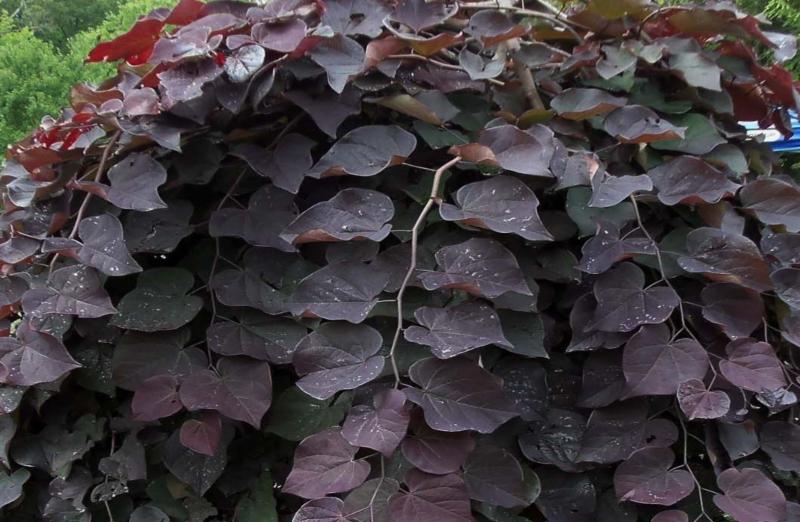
x=259 y=504
x=294 y=415
x=159 y=301
x=586 y=217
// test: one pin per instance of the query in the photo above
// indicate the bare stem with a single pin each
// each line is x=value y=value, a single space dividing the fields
x=703 y=512
x=432 y=200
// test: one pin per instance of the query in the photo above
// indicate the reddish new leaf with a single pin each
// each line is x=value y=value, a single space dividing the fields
x=155 y=398
x=202 y=434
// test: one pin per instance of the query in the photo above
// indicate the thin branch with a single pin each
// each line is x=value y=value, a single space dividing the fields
x=703 y=512
x=432 y=200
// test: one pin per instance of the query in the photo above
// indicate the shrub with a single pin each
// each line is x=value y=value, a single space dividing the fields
x=349 y=261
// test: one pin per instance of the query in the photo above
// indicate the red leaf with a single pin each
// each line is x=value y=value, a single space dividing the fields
x=138 y=40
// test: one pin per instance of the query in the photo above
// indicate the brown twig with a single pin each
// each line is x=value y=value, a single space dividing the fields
x=432 y=200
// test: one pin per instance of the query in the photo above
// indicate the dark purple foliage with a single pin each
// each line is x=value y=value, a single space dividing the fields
x=407 y=261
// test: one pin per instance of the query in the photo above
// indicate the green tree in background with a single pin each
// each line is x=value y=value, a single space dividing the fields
x=36 y=74
x=55 y=21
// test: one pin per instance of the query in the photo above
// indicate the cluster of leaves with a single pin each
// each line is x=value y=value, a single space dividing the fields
x=349 y=261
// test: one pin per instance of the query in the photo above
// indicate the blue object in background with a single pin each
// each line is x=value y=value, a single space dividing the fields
x=774 y=138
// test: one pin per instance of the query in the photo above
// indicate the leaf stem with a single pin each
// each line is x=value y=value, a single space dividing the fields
x=432 y=200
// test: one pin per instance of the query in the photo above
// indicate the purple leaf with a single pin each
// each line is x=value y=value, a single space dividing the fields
x=258 y=336
x=138 y=357
x=697 y=70
x=269 y=210
x=380 y=427
x=494 y=476
x=752 y=365
x=437 y=452
x=339 y=291
x=159 y=231
x=341 y=57
x=783 y=247
x=72 y=290
x=609 y=191
x=623 y=303
x=370 y=501
x=781 y=441
x=522 y=151
x=726 y=256
x=656 y=364
x=419 y=14
x=202 y=435
x=457 y=329
x=458 y=395
x=603 y=379
x=736 y=309
x=698 y=402
x=185 y=81
x=33 y=358
x=351 y=215
x=478 y=67
x=159 y=301
x=243 y=63
x=283 y=37
x=240 y=389
x=582 y=104
x=773 y=201
x=199 y=471
x=638 y=124
x=329 y=109
x=690 y=180
x=324 y=464
x=366 y=151
x=135 y=181
x=325 y=509
x=286 y=166
x=18 y=249
x=582 y=313
x=502 y=204
x=431 y=497
x=749 y=496
x=613 y=433
x=606 y=248
x=361 y=17
x=647 y=478
x=480 y=266
x=156 y=398
x=673 y=515
x=787 y=286
x=337 y=356
x=104 y=246
x=739 y=440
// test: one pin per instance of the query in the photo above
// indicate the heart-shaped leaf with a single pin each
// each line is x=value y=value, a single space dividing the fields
x=436 y=452
x=522 y=151
x=366 y=151
x=431 y=497
x=324 y=464
x=283 y=37
x=655 y=364
x=774 y=202
x=698 y=402
x=159 y=231
x=419 y=14
x=609 y=191
x=606 y=248
x=749 y=496
x=33 y=358
x=352 y=214
x=239 y=388
x=329 y=109
x=380 y=427
x=202 y=435
x=72 y=290
x=787 y=286
x=697 y=70
x=11 y=485
x=482 y=267
x=647 y=478
x=258 y=336
x=494 y=476
x=458 y=395
x=199 y=471
x=294 y=415
x=159 y=301
x=690 y=180
x=726 y=256
x=243 y=63
x=457 y=329
x=502 y=204
x=341 y=57
x=139 y=357
x=156 y=398
x=286 y=166
x=478 y=67
x=781 y=441
x=339 y=291
x=355 y=17
x=623 y=303
x=370 y=500
x=582 y=104
x=337 y=356
x=104 y=246
x=268 y=212
x=736 y=309
x=638 y=124
x=135 y=181
x=752 y=365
